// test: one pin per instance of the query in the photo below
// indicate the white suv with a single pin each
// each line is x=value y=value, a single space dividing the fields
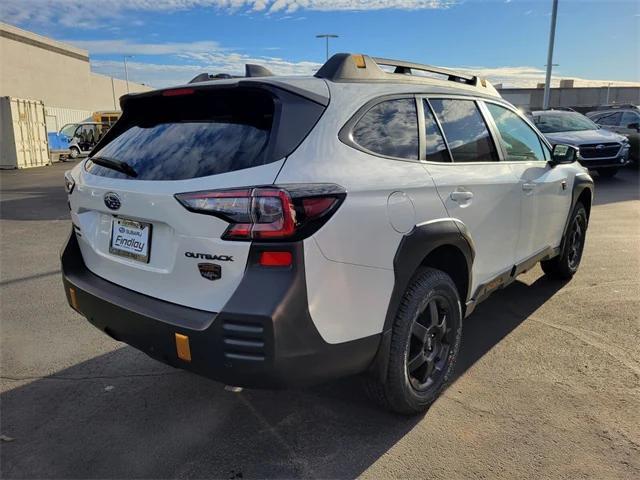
x=272 y=231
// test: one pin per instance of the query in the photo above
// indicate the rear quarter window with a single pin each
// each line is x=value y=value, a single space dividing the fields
x=390 y=128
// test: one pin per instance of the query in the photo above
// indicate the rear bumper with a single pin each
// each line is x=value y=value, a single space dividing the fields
x=263 y=337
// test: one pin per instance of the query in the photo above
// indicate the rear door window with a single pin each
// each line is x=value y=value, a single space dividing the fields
x=176 y=138
x=465 y=130
x=610 y=119
x=629 y=118
x=390 y=128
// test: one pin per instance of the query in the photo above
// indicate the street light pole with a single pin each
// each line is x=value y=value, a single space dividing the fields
x=552 y=37
x=327 y=36
x=126 y=73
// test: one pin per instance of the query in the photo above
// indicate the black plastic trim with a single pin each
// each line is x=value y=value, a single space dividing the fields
x=263 y=337
x=414 y=249
x=581 y=182
x=506 y=277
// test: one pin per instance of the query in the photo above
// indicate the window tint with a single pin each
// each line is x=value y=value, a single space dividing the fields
x=390 y=128
x=182 y=137
x=465 y=130
x=611 y=119
x=436 y=148
x=520 y=142
x=628 y=118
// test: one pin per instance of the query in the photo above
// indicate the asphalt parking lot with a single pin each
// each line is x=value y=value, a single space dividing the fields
x=548 y=383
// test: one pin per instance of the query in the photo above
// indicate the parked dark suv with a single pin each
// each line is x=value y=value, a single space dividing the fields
x=600 y=149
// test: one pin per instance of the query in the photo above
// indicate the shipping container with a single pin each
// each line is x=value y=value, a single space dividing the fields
x=58 y=117
x=23 y=133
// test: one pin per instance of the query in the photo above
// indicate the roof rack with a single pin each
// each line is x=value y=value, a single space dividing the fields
x=347 y=67
x=250 y=71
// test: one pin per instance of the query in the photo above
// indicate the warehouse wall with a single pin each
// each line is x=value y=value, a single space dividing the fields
x=37 y=67
x=580 y=98
x=57 y=117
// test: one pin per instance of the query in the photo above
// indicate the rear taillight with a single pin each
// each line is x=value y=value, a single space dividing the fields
x=290 y=212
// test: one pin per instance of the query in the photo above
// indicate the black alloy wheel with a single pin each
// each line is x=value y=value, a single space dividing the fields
x=431 y=340
x=420 y=356
x=565 y=265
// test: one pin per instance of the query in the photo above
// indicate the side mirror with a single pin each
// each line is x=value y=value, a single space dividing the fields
x=634 y=126
x=563 y=154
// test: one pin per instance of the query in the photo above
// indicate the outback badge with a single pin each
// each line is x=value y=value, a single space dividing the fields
x=210 y=271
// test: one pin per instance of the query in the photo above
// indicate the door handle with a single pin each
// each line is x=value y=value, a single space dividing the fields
x=461 y=196
x=528 y=187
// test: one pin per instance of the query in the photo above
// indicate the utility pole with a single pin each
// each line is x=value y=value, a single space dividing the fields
x=552 y=37
x=327 y=36
x=126 y=73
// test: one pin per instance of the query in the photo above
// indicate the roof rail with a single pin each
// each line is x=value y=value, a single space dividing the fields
x=347 y=67
x=406 y=68
x=250 y=70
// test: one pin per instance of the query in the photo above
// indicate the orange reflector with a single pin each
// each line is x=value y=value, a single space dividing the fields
x=359 y=59
x=182 y=347
x=73 y=298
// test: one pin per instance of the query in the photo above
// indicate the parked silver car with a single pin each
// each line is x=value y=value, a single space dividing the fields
x=600 y=149
x=624 y=120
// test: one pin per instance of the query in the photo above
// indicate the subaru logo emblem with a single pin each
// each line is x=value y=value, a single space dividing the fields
x=600 y=147
x=112 y=201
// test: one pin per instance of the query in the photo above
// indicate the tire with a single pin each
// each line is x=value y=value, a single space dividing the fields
x=565 y=265
x=607 y=172
x=425 y=336
x=74 y=153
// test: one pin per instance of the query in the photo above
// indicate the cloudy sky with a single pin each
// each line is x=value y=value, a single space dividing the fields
x=171 y=41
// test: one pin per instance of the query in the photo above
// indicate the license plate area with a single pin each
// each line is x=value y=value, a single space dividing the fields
x=130 y=239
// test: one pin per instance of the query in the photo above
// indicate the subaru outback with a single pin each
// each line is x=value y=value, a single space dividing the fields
x=269 y=231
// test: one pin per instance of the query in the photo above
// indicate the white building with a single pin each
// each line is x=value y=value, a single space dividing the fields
x=45 y=84
x=37 y=68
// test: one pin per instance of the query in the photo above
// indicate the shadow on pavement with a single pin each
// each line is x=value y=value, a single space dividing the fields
x=34 y=203
x=122 y=415
x=621 y=188
x=34 y=193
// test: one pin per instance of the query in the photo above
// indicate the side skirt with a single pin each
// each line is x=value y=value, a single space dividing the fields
x=507 y=277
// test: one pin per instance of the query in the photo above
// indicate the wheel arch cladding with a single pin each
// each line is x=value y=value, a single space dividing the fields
x=586 y=198
x=443 y=244
x=582 y=192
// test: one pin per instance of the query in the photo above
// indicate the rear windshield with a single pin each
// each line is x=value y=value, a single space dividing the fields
x=189 y=136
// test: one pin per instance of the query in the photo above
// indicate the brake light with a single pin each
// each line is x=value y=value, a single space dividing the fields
x=268 y=213
x=178 y=92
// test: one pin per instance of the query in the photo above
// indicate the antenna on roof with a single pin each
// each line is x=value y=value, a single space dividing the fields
x=252 y=70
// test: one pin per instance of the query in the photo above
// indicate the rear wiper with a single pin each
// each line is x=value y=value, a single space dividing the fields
x=114 y=164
